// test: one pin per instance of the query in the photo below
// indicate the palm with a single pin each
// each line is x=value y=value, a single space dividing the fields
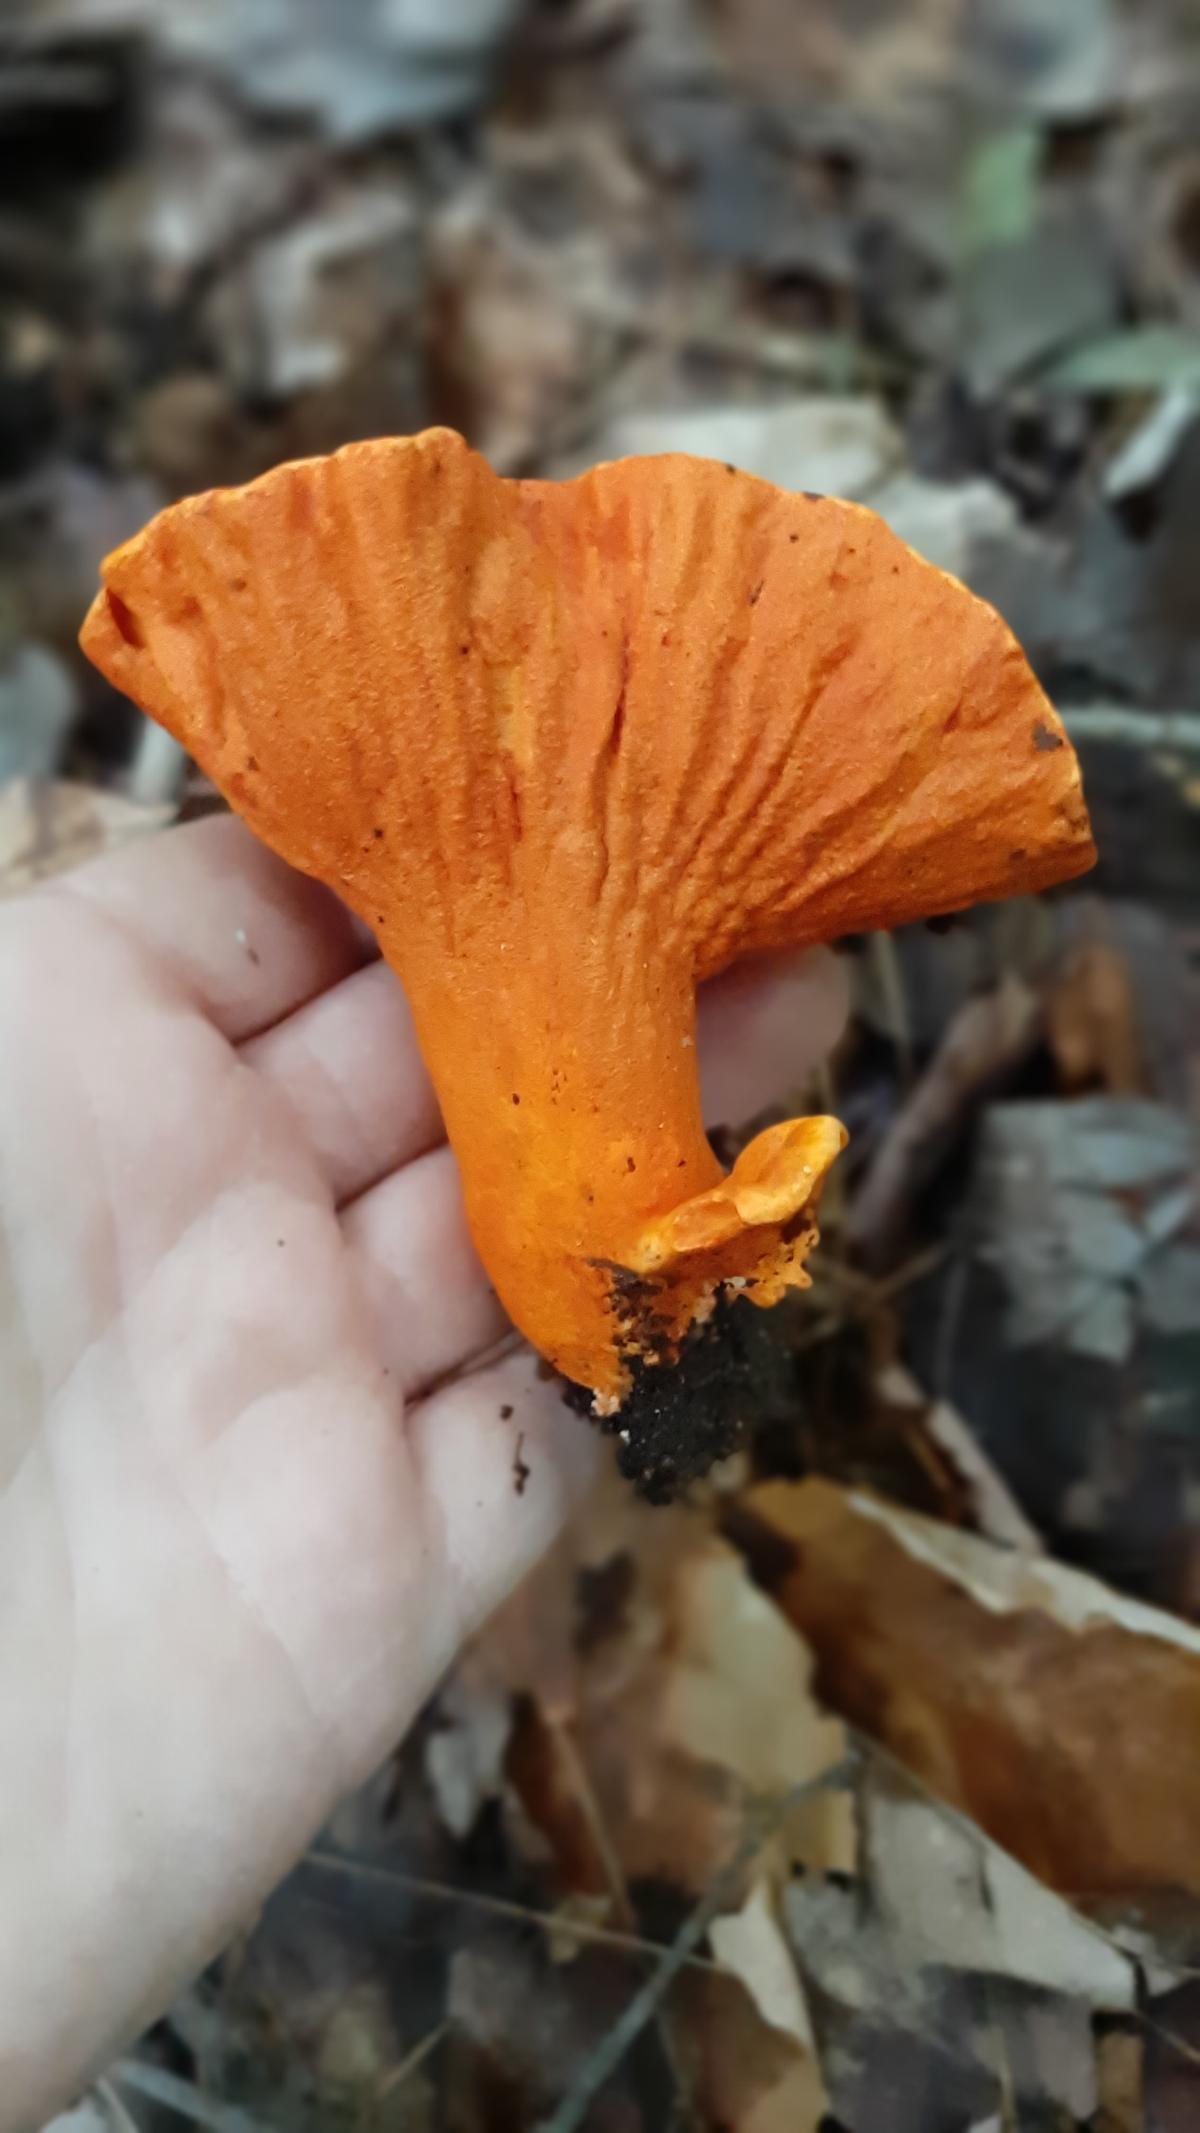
x=257 y=1478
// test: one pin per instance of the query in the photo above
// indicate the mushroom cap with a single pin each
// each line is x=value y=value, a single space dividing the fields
x=569 y=748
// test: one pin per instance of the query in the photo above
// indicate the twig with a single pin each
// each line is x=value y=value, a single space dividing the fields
x=579 y=1777
x=1167 y=2036
x=421 y=2051
x=604 y=2061
x=1136 y=729
x=122 y=2120
x=498 y=1907
x=987 y=1037
x=567 y=1751
x=180 y=2097
x=863 y=1294
x=881 y=948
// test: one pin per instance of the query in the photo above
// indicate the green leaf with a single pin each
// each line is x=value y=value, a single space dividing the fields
x=1142 y=359
x=998 y=199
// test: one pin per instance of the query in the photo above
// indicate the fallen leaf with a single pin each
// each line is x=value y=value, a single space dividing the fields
x=1147 y=358
x=1091 y=1020
x=381 y=66
x=303 y=308
x=1151 y=446
x=993 y=1509
x=744 y=2073
x=1120 y=2054
x=750 y=1943
x=1079 y=1208
x=1067 y=64
x=465 y=1749
x=1000 y=189
x=1022 y=303
x=1059 y=1716
x=951 y=1898
x=840 y=446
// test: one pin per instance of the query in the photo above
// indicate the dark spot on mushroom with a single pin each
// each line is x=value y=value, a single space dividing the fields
x=237 y=585
x=516 y=1098
x=1044 y=738
x=464 y=649
x=755 y=594
x=793 y=538
x=629 y=1163
x=506 y=1413
x=252 y=762
x=813 y=496
x=377 y=831
x=729 y=467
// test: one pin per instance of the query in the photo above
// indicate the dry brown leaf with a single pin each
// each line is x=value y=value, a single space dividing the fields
x=46 y=829
x=1061 y=1717
x=703 y=1710
x=1091 y=1021
x=1119 y=2061
x=745 y=2074
x=659 y=1695
x=991 y=1507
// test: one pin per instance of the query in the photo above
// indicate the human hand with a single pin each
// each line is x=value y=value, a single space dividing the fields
x=257 y=1473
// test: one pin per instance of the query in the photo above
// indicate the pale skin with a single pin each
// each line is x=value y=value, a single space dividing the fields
x=256 y=1481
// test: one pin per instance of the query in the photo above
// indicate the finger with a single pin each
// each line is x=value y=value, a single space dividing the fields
x=433 y=1305
x=349 y=1069
x=763 y=1026
x=250 y=938
x=500 y=1463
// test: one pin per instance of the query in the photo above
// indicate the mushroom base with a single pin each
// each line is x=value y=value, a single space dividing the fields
x=680 y=1417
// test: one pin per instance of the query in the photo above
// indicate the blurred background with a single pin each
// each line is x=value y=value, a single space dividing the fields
x=942 y=256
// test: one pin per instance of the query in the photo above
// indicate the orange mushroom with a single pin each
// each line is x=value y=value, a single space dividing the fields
x=570 y=749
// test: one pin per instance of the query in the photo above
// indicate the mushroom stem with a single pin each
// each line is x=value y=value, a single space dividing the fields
x=571 y=1095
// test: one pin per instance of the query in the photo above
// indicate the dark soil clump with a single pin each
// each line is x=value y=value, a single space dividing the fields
x=678 y=1418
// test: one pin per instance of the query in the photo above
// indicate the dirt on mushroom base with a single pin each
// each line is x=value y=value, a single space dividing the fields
x=683 y=1415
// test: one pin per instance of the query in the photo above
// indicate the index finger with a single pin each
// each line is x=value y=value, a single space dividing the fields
x=250 y=938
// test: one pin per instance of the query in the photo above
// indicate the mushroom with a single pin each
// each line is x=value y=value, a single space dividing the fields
x=569 y=749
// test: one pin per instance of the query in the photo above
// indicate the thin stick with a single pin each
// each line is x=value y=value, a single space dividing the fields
x=180 y=2097
x=420 y=2052
x=499 y=1907
x=605 y=2060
